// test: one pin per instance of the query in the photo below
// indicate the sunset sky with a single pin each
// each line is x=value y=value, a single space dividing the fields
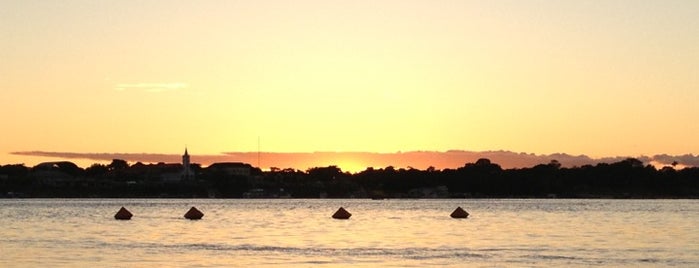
x=599 y=78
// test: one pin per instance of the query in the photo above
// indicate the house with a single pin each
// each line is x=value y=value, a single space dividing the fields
x=61 y=173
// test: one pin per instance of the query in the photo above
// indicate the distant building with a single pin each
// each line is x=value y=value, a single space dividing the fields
x=186 y=167
x=62 y=173
x=175 y=172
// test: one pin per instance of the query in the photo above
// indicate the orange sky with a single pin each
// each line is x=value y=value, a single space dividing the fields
x=601 y=78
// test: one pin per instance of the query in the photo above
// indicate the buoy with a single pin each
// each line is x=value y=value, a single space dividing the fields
x=193 y=214
x=342 y=214
x=459 y=213
x=123 y=214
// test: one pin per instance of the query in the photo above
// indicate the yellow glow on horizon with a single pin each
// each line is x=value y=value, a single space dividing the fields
x=351 y=166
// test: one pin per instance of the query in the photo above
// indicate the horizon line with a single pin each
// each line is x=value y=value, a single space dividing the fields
x=362 y=160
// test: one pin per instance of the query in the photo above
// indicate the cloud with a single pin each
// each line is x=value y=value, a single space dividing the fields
x=683 y=160
x=152 y=87
x=361 y=160
x=142 y=157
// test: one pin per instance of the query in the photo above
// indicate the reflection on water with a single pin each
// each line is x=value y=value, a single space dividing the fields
x=290 y=232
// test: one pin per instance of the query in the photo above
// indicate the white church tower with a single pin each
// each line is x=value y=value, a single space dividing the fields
x=187 y=171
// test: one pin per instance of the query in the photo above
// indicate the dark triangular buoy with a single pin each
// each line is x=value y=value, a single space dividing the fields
x=193 y=214
x=459 y=213
x=123 y=214
x=342 y=214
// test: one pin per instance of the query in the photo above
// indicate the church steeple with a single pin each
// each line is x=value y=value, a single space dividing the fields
x=186 y=172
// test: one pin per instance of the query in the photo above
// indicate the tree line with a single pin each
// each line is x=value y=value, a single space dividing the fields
x=629 y=178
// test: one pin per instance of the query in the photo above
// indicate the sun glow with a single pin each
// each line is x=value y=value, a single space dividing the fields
x=352 y=166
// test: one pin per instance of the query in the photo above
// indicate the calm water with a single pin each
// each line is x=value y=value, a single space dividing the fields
x=397 y=233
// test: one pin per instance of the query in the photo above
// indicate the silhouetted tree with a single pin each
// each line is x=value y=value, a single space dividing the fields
x=96 y=170
x=325 y=173
x=483 y=178
x=118 y=164
x=17 y=170
x=555 y=164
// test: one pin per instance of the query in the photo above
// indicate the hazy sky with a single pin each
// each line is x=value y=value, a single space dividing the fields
x=601 y=78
